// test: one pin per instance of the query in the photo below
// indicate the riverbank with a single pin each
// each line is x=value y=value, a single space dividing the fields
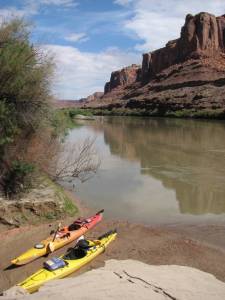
x=194 y=246
x=45 y=202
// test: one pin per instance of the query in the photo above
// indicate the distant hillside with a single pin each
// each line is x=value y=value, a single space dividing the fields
x=66 y=103
x=77 y=103
x=185 y=78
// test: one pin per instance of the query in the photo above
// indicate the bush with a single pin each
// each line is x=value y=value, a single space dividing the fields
x=25 y=77
x=25 y=74
x=8 y=127
x=17 y=179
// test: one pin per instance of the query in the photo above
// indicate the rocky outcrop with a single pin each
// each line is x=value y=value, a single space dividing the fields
x=60 y=103
x=202 y=35
x=95 y=96
x=187 y=75
x=46 y=201
x=77 y=103
x=123 y=77
x=129 y=279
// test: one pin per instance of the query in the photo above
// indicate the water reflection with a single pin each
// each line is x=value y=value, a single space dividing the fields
x=167 y=166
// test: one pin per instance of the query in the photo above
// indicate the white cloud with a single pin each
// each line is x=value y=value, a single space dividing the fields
x=77 y=37
x=65 y=3
x=123 y=2
x=31 y=7
x=156 y=22
x=11 y=12
x=80 y=74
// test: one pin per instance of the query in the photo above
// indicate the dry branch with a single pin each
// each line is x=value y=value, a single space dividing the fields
x=75 y=160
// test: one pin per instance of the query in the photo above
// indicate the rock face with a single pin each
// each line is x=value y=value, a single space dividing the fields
x=202 y=35
x=187 y=75
x=130 y=279
x=122 y=78
x=95 y=96
x=60 y=103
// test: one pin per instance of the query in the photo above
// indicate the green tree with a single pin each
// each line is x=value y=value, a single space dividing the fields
x=25 y=79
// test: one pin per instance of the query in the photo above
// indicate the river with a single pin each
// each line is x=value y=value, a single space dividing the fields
x=156 y=170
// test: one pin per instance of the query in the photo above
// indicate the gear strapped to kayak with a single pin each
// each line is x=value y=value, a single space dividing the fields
x=54 y=264
x=79 y=251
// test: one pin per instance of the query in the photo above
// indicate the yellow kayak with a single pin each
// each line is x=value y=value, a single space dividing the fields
x=68 y=263
x=62 y=237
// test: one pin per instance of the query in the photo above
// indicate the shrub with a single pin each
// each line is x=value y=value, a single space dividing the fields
x=25 y=77
x=17 y=179
x=25 y=74
x=8 y=127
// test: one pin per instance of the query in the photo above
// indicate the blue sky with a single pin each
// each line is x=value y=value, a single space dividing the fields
x=91 y=38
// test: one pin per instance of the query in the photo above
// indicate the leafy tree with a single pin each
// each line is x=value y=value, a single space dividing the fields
x=25 y=78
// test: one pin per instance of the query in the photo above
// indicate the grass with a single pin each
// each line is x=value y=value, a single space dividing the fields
x=50 y=216
x=70 y=208
x=68 y=205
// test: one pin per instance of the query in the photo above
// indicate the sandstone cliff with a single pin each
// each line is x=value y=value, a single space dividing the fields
x=123 y=77
x=185 y=78
x=202 y=35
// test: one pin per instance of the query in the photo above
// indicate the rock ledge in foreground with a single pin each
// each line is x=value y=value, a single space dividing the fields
x=131 y=279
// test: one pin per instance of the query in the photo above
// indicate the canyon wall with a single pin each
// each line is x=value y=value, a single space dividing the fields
x=202 y=35
x=123 y=77
x=187 y=75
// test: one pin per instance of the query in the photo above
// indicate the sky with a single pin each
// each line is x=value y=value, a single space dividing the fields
x=91 y=38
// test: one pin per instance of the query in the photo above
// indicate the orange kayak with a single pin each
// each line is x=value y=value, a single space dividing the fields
x=59 y=239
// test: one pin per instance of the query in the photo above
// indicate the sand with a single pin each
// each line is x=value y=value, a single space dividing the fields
x=201 y=247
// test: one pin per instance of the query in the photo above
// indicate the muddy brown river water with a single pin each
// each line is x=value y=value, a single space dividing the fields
x=156 y=171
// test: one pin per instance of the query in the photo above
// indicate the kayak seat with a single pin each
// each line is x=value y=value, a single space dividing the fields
x=74 y=226
x=79 y=251
x=78 y=224
x=76 y=254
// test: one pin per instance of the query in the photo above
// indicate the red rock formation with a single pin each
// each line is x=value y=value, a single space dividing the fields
x=59 y=103
x=77 y=103
x=187 y=75
x=94 y=97
x=202 y=35
x=122 y=77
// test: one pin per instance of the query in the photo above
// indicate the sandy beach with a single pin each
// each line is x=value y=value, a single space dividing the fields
x=202 y=247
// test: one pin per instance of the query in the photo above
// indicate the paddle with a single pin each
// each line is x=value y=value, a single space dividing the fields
x=51 y=247
x=56 y=232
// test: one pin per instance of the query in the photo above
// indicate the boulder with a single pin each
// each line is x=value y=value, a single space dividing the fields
x=129 y=279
